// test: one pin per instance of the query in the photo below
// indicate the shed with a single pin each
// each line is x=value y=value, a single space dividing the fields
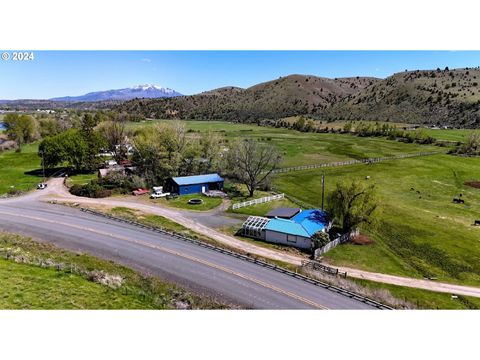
x=185 y=185
x=284 y=213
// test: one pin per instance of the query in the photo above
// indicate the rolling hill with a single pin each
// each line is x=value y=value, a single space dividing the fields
x=440 y=97
x=286 y=96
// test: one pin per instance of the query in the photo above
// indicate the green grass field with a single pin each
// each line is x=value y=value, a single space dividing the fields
x=421 y=232
x=300 y=148
x=68 y=282
x=13 y=166
x=263 y=209
x=448 y=134
x=81 y=179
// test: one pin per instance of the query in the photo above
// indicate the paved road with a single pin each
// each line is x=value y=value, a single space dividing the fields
x=205 y=270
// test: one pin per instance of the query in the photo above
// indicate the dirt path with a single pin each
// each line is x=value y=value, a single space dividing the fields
x=56 y=191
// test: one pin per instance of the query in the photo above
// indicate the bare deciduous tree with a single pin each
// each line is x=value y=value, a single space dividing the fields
x=252 y=163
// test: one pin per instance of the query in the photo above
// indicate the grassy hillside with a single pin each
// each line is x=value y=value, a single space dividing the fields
x=40 y=276
x=290 y=95
x=442 y=97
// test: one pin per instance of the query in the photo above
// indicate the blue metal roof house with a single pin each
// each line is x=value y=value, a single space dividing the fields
x=196 y=184
x=296 y=231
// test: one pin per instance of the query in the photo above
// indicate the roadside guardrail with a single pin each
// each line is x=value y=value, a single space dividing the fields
x=250 y=259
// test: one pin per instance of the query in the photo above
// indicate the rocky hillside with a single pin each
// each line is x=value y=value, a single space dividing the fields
x=441 y=97
x=286 y=96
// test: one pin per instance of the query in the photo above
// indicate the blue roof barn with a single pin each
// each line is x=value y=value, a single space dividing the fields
x=185 y=185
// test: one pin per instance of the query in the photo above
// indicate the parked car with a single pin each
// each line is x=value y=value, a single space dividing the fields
x=42 y=186
x=157 y=195
x=172 y=196
x=139 y=192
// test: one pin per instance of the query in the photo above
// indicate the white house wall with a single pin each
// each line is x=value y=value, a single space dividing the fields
x=290 y=240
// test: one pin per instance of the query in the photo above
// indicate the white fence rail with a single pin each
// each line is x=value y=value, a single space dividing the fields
x=341 y=239
x=352 y=162
x=258 y=201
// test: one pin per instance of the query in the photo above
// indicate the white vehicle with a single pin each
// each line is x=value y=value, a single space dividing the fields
x=42 y=186
x=157 y=189
x=158 y=195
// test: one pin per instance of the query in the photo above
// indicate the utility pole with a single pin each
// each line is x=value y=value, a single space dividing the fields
x=323 y=191
x=43 y=166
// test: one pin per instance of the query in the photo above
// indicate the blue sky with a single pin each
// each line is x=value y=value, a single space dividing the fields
x=62 y=73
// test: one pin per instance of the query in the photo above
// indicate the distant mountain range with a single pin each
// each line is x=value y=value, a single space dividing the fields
x=439 y=97
x=140 y=91
x=93 y=100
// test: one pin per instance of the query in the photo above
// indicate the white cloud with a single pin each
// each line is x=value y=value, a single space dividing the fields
x=146 y=60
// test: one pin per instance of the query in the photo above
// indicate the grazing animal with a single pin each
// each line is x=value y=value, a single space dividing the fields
x=477 y=223
x=458 y=201
x=412 y=189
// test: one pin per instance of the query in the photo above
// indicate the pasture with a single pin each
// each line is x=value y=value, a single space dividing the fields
x=299 y=148
x=448 y=134
x=421 y=232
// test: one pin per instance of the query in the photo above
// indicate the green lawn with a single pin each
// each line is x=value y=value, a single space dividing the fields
x=68 y=281
x=263 y=209
x=13 y=167
x=81 y=179
x=421 y=232
x=181 y=202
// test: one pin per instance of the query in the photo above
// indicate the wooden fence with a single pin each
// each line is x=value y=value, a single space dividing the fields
x=353 y=162
x=315 y=265
x=258 y=201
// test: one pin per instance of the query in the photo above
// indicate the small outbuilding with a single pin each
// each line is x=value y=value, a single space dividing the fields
x=185 y=185
x=296 y=231
x=283 y=213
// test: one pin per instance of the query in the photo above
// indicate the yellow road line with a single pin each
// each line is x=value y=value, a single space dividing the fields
x=176 y=253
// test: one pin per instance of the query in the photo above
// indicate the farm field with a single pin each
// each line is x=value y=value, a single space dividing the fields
x=421 y=232
x=448 y=134
x=299 y=148
x=14 y=165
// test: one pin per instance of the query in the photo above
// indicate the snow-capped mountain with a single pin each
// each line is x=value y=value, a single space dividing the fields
x=139 y=91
